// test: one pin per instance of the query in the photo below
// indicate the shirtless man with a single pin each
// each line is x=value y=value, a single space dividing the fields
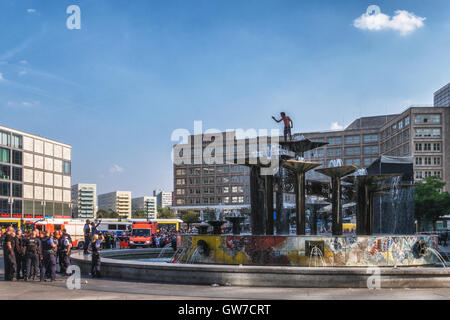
x=288 y=124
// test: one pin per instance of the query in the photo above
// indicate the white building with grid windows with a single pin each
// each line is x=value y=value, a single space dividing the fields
x=35 y=176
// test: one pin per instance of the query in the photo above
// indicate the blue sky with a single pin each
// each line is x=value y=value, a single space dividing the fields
x=116 y=89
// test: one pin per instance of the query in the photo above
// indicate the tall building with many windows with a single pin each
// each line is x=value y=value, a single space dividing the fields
x=163 y=198
x=84 y=201
x=419 y=132
x=442 y=97
x=117 y=201
x=35 y=176
x=145 y=204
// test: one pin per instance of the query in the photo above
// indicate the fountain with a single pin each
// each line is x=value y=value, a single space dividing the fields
x=217 y=224
x=336 y=171
x=300 y=168
x=236 y=221
x=263 y=258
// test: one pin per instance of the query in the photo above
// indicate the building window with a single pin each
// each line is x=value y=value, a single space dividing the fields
x=5 y=189
x=336 y=140
x=437 y=161
x=427 y=161
x=371 y=150
x=349 y=162
x=180 y=172
x=436 y=118
x=16 y=141
x=406 y=121
x=17 y=157
x=437 y=174
x=5 y=172
x=427 y=146
x=66 y=167
x=4 y=206
x=5 y=139
x=5 y=155
x=436 y=147
x=418 y=133
x=400 y=125
x=334 y=152
x=352 y=151
x=370 y=138
x=418 y=174
x=418 y=161
x=352 y=139
x=28 y=208
x=180 y=182
x=17 y=174
x=17 y=190
x=436 y=132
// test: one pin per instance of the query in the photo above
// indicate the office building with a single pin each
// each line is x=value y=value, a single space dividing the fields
x=35 y=176
x=442 y=97
x=163 y=199
x=145 y=204
x=117 y=201
x=84 y=201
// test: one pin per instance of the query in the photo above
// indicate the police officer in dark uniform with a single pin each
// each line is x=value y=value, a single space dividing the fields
x=31 y=244
x=19 y=253
x=49 y=254
x=65 y=248
x=8 y=255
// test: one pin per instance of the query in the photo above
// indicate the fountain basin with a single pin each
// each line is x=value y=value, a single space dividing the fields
x=336 y=251
x=258 y=276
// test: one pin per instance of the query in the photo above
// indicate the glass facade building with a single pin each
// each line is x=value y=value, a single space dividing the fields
x=35 y=176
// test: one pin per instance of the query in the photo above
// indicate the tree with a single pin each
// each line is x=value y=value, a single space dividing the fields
x=430 y=203
x=189 y=217
x=165 y=213
x=107 y=214
x=139 y=214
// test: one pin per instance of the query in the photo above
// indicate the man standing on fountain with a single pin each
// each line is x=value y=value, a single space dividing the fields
x=288 y=124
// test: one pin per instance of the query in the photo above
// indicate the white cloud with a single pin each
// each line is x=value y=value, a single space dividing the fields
x=116 y=169
x=26 y=104
x=403 y=21
x=22 y=72
x=336 y=126
x=31 y=10
x=1 y=77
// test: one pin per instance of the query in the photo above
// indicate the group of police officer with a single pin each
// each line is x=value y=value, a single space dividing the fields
x=35 y=255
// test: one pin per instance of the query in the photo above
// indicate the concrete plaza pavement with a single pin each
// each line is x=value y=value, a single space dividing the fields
x=111 y=289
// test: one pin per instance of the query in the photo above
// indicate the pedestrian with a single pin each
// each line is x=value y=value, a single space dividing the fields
x=8 y=255
x=19 y=253
x=66 y=247
x=32 y=245
x=87 y=236
x=95 y=247
x=49 y=257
